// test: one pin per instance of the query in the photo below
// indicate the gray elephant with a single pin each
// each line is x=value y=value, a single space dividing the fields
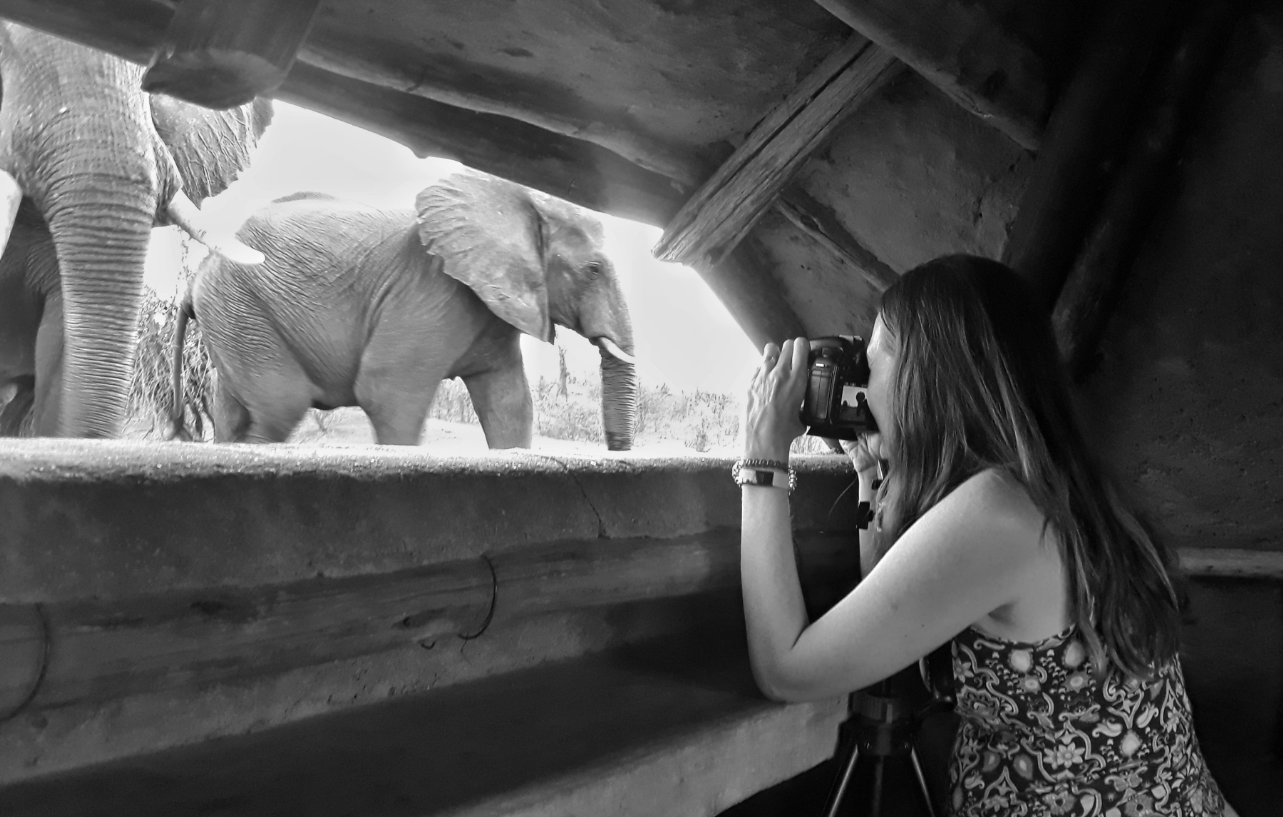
x=361 y=306
x=88 y=165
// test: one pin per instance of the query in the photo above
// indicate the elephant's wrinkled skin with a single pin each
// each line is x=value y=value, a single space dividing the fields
x=95 y=163
x=367 y=307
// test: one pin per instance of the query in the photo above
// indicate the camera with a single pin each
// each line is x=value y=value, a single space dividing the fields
x=837 y=380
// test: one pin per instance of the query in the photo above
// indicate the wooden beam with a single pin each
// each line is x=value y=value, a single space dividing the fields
x=224 y=53
x=135 y=29
x=958 y=48
x=578 y=171
x=69 y=652
x=724 y=209
x=1266 y=565
x=1095 y=283
x=822 y=225
x=1085 y=135
x=563 y=114
x=131 y=29
x=99 y=650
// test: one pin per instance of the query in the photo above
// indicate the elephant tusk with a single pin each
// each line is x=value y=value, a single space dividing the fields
x=608 y=345
x=10 y=198
x=187 y=215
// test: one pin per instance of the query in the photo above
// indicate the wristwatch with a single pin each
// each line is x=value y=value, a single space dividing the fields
x=751 y=472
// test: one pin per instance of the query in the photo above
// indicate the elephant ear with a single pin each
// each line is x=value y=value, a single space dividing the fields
x=210 y=148
x=490 y=235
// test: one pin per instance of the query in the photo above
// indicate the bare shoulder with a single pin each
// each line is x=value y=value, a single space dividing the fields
x=997 y=502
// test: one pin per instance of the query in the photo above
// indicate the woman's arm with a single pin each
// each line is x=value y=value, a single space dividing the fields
x=964 y=558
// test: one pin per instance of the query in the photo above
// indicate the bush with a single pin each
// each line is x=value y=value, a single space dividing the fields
x=151 y=397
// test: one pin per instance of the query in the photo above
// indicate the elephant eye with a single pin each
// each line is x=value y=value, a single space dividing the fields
x=594 y=269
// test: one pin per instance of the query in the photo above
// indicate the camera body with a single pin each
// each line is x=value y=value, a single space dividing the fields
x=835 y=405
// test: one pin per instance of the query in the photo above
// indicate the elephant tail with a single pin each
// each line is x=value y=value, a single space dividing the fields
x=177 y=418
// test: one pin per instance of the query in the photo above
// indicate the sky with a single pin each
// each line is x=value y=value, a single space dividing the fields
x=679 y=325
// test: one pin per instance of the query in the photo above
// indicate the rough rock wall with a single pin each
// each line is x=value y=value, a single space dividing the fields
x=1187 y=400
x=911 y=175
x=1189 y=391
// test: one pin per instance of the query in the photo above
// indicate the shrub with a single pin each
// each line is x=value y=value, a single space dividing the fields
x=151 y=397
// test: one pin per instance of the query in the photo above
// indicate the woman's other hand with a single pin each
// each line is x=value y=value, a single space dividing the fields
x=771 y=421
x=865 y=452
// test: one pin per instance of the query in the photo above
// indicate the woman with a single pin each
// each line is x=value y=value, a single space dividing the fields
x=994 y=530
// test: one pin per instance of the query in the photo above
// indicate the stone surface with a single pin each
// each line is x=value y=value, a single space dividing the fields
x=1189 y=389
x=672 y=727
x=97 y=524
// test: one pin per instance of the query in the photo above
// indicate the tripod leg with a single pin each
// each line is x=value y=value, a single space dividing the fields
x=875 y=803
x=922 y=782
x=843 y=782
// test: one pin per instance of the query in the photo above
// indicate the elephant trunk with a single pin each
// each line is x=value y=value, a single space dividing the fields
x=605 y=321
x=102 y=249
x=619 y=392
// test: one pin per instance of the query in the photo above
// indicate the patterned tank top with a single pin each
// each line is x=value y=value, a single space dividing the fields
x=1039 y=735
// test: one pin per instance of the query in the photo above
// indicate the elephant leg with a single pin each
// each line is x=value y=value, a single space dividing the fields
x=261 y=392
x=231 y=418
x=261 y=423
x=504 y=406
x=47 y=404
x=395 y=387
x=397 y=408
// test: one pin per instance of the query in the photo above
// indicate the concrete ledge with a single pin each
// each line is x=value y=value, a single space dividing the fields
x=116 y=519
x=671 y=727
x=196 y=593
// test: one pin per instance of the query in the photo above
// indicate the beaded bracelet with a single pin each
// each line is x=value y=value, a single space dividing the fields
x=762 y=472
x=782 y=466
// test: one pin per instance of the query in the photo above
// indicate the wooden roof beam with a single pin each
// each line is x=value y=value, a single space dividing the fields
x=224 y=53
x=130 y=29
x=725 y=208
x=956 y=46
x=820 y=223
x=573 y=169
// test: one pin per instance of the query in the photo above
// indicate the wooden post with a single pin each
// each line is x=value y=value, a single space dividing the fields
x=223 y=53
x=958 y=48
x=1095 y=284
x=724 y=209
x=1084 y=137
x=99 y=650
x=68 y=652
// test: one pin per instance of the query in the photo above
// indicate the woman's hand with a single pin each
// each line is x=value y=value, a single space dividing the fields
x=865 y=452
x=771 y=421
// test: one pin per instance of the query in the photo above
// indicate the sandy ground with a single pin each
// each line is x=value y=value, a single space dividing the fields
x=349 y=427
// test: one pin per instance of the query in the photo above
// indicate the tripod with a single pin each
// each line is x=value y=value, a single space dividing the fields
x=884 y=719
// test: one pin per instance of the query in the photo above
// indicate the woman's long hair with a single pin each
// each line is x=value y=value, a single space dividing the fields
x=980 y=385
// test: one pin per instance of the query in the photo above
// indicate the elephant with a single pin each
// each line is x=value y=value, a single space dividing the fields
x=89 y=163
x=357 y=305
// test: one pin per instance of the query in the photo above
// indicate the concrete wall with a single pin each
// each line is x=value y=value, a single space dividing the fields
x=144 y=570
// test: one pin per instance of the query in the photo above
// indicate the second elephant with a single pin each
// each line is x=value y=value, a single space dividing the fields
x=373 y=308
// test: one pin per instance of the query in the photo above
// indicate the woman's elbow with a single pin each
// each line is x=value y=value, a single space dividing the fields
x=777 y=686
